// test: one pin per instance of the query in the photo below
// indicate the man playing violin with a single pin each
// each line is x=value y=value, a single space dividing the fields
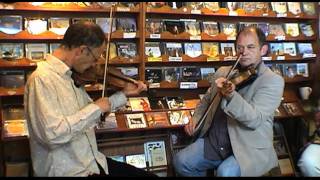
x=236 y=139
x=61 y=116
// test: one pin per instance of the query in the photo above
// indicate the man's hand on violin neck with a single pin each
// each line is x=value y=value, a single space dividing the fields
x=225 y=87
x=134 y=89
x=103 y=104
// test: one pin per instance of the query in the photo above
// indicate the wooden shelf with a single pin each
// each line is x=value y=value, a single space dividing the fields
x=17 y=64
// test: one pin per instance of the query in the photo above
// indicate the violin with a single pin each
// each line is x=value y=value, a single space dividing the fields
x=241 y=78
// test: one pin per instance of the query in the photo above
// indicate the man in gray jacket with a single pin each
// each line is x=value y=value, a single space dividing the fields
x=236 y=139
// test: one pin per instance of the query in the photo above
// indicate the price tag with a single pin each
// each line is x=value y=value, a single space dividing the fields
x=195 y=12
x=10 y=92
x=32 y=64
x=265 y=14
x=281 y=57
x=233 y=13
x=179 y=59
x=282 y=15
x=123 y=9
x=155 y=36
x=231 y=38
x=308 y=55
x=195 y=37
x=129 y=35
x=154 y=85
x=188 y=85
x=267 y=58
x=229 y=58
x=279 y=38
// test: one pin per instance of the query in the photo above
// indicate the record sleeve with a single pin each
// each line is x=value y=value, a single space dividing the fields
x=294 y=7
x=305 y=48
x=192 y=27
x=213 y=6
x=263 y=6
x=157 y=119
x=171 y=74
x=179 y=117
x=292 y=29
x=153 y=75
x=309 y=8
x=211 y=28
x=229 y=29
x=192 y=49
x=118 y=158
x=126 y=50
x=211 y=49
x=176 y=5
x=35 y=25
x=11 y=50
x=195 y=5
x=156 y=153
x=12 y=79
x=173 y=26
x=113 y=51
x=228 y=49
x=137 y=160
x=58 y=25
x=152 y=51
x=207 y=73
x=10 y=24
x=13 y=112
x=276 y=29
x=139 y=104
x=306 y=29
x=290 y=72
x=135 y=121
x=16 y=127
x=158 y=103
x=36 y=51
x=173 y=49
x=248 y=7
x=302 y=69
x=127 y=25
x=277 y=49
x=156 y=4
x=175 y=102
x=191 y=103
x=104 y=23
x=76 y=20
x=190 y=74
x=290 y=48
x=154 y=26
x=131 y=72
x=279 y=7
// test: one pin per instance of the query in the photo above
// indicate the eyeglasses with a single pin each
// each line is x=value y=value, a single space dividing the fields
x=95 y=58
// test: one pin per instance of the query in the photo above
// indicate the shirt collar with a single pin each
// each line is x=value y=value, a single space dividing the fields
x=58 y=65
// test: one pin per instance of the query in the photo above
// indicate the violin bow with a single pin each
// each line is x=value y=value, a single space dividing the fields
x=108 y=50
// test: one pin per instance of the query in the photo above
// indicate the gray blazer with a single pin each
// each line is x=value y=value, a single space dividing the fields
x=250 y=120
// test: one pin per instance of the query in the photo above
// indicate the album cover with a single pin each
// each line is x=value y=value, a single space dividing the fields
x=192 y=49
x=11 y=50
x=157 y=119
x=264 y=27
x=277 y=68
x=35 y=25
x=213 y=6
x=126 y=25
x=76 y=20
x=139 y=104
x=294 y=7
x=53 y=46
x=58 y=25
x=153 y=75
x=192 y=27
x=16 y=127
x=173 y=49
x=12 y=78
x=104 y=23
x=190 y=74
x=157 y=103
x=155 y=153
x=191 y=103
x=279 y=7
x=137 y=160
x=179 y=117
x=276 y=48
x=154 y=26
x=305 y=48
x=290 y=70
x=210 y=27
x=110 y=122
x=118 y=158
x=285 y=166
x=230 y=6
x=128 y=4
x=156 y=4
x=135 y=121
x=289 y=48
x=126 y=50
x=175 y=102
x=248 y=7
x=309 y=8
x=276 y=29
x=173 y=26
x=171 y=74
x=247 y=24
x=36 y=51
x=280 y=147
x=292 y=29
x=131 y=72
x=211 y=49
x=228 y=49
x=302 y=69
x=176 y=5
x=12 y=113
x=306 y=29
x=152 y=51
x=195 y=5
x=10 y=24
x=263 y=6
x=207 y=73
x=229 y=29
x=113 y=51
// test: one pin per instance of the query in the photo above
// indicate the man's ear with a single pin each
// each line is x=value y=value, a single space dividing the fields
x=264 y=50
x=80 y=50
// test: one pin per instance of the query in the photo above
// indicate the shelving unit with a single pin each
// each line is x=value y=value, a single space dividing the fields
x=115 y=141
